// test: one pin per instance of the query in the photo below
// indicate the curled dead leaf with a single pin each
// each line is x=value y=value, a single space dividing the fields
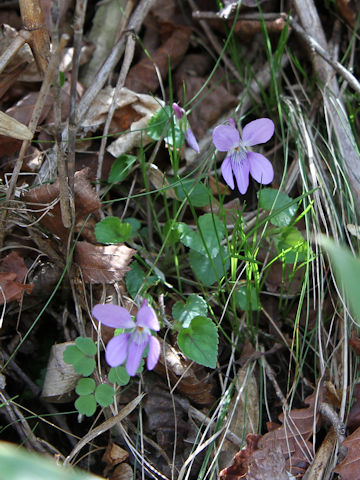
x=143 y=77
x=349 y=468
x=13 y=272
x=245 y=413
x=44 y=201
x=113 y=456
x=193 y=382
x=240 y=464
x=133 y=112
x=102 y=264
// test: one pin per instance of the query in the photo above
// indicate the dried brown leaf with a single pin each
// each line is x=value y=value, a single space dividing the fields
x=354 y=414
x=240 y=465
x=245 y=412
x=348 y=9
x=349 y=468
x=12 y=275
x=143 y=76
x=10 y=127
x=123 y=472
x=267 y=463
x=102 y=264
x=293 y=436
x=86 y=202
x=113 y=456
x=24 y=56
x=133 y=112
x=193 y=73
x=290 y=439
x=193 y=382
x=354 y=343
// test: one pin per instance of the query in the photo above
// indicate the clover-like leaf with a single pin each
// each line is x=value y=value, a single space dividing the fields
x=85 y=386
x=86 y=345
x=84 y=366
x=86 y=404
x=72 y=354
x=199 y=342
x=104 y=395
x=119 y=375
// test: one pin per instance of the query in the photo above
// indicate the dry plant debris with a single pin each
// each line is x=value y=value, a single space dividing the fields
x=126 y=188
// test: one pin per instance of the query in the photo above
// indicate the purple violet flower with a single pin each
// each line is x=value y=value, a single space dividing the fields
x=130 y=345
x=241 y=161
x=184 y=125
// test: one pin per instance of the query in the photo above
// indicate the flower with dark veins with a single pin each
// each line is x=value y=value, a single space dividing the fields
x=240 y=160
x=131 y=345
x=185 y=127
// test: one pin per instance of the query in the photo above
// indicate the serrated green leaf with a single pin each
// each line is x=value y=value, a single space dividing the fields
x=292 y=244
x=272 y=199
x=86 y=404
x=72 y=354
x=135 y=278
x=121 y=167
x=104 y=395
x=212 y=230
x=86 y=345
x=199 y=342
x=198 y=193
x=244 y=302
x=119 y=375
x=84 y=366
x=112 y=230
x=135 y=225
x=185 y=312
x=85 y=386
x=204 y=269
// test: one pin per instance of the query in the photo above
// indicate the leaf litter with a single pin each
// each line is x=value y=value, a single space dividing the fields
x=204 y=59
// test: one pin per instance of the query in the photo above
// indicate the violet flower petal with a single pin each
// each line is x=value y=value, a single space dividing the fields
x=258 y=131
x=154 y=352
x=225 y=137
x=179 y=112
x=191 y=140
x=135 y=352
x=231 y=122
x=117 y=350
x=146 y=317
x=260 y=168
x=113 y=316
x=226 y=171
x=241 y=171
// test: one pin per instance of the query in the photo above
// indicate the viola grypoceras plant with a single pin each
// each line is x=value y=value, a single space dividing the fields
x=130 y=346
x=240 y=161
x=180 y=115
